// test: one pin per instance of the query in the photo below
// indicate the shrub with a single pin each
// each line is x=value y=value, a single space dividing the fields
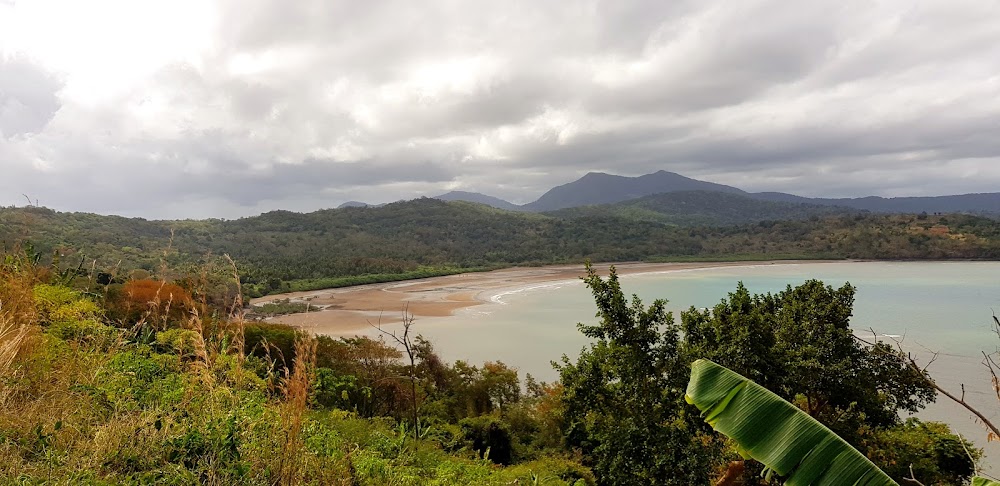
x=56 y=303
x=489 y=437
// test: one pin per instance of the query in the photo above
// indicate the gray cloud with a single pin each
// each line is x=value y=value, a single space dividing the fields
x=28 y=97
x=307 y=104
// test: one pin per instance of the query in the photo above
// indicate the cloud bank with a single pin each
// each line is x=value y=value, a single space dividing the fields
x=231 y=108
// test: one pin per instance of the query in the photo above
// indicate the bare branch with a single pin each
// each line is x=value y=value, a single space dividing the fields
x=993 y=430
x=408 y=346
x=972 y=460
x=992 y=366
x=912 y=479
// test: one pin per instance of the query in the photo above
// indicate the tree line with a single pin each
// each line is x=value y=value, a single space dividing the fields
x=283 y=251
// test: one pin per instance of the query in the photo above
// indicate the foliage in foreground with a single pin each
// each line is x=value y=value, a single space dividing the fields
x=623 y=395
x=767 y=428
x=797 y=447
x=145 y=380
x=175 y=400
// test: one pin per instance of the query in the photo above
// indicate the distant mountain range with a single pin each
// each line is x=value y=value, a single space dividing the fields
x=598 y=188
x=601 y=188
x=701 y=208
x=353 y=204
x=982 y=203
x=481 y=199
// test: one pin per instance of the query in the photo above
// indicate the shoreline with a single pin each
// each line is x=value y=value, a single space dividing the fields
x=455 y=325
x=349 y=311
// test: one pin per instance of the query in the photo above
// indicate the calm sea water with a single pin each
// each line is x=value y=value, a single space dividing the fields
x=944 y=308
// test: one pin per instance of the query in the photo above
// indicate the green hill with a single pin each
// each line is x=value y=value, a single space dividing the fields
x=282 y=250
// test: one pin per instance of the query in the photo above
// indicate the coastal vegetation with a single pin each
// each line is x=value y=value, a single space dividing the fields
x=625 y=394
x=126 y=355
x=204 y=397
x=101 y=386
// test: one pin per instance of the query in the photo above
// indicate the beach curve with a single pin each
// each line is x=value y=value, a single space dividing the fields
x=349 y=311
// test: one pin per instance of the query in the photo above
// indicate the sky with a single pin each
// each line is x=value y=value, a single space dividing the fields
x=230 y=108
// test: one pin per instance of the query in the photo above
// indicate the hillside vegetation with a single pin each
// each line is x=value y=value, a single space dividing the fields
x=148 y=382
x=104 y=387
x=282 y=250
x=703 y=208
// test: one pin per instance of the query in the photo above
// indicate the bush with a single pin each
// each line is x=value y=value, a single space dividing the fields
x=59 y=304
x=489 y=437
x=87 y=331
x=936 y=454
x=178 y=341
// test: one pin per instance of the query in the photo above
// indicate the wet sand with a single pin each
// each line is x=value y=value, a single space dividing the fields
x=350 y=310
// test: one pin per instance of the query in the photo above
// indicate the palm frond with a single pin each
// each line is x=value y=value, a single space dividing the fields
x=768 y=429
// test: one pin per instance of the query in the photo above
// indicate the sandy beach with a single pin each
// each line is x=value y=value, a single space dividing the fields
x=346 y=311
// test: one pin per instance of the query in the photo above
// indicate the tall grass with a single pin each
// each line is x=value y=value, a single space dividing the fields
x=162 y=398
x=296 y=391
x=18 y=314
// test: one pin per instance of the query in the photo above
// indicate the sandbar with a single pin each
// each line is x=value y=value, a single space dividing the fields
x=349 y=311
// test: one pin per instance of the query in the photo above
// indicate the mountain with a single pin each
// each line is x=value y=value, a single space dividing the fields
x=353 y=204
x=984 y=203
x=598 y=188
x=479 y=198
x=703 y=208
x=601 y=188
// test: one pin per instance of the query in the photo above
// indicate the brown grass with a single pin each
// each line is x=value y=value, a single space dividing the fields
x=296 y=390
x=18 y=315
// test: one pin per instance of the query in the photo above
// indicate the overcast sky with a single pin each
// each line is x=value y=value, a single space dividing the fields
x=194 y=108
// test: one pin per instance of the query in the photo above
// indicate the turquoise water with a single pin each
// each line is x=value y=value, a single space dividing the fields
x=940 y=307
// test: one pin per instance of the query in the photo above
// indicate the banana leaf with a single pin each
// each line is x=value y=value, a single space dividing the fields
x=774 y=432
x=978 y=481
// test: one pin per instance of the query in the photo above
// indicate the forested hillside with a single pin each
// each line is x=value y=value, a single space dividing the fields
x=985 y=203
x=703 y=208
x=282 y=250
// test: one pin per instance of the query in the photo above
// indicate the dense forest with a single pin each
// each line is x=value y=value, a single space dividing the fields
x=281 y=250
x=166 y=383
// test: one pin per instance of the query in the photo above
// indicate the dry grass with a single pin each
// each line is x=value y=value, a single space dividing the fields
x=81 y=410
x=237 y=319
x=18 y=316
x=13 y=336
x=296 y=390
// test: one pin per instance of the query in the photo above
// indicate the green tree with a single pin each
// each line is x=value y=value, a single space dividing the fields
x=623 y=395
x=798 y=343
x=501 y=383
x=927 y=450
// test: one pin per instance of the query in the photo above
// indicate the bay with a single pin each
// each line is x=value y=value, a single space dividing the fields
x=942 y=308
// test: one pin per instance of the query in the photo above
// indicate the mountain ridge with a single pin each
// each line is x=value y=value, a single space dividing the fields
x=596 y=188
x=601 y=188
x=704 y=208
x=480 y=198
